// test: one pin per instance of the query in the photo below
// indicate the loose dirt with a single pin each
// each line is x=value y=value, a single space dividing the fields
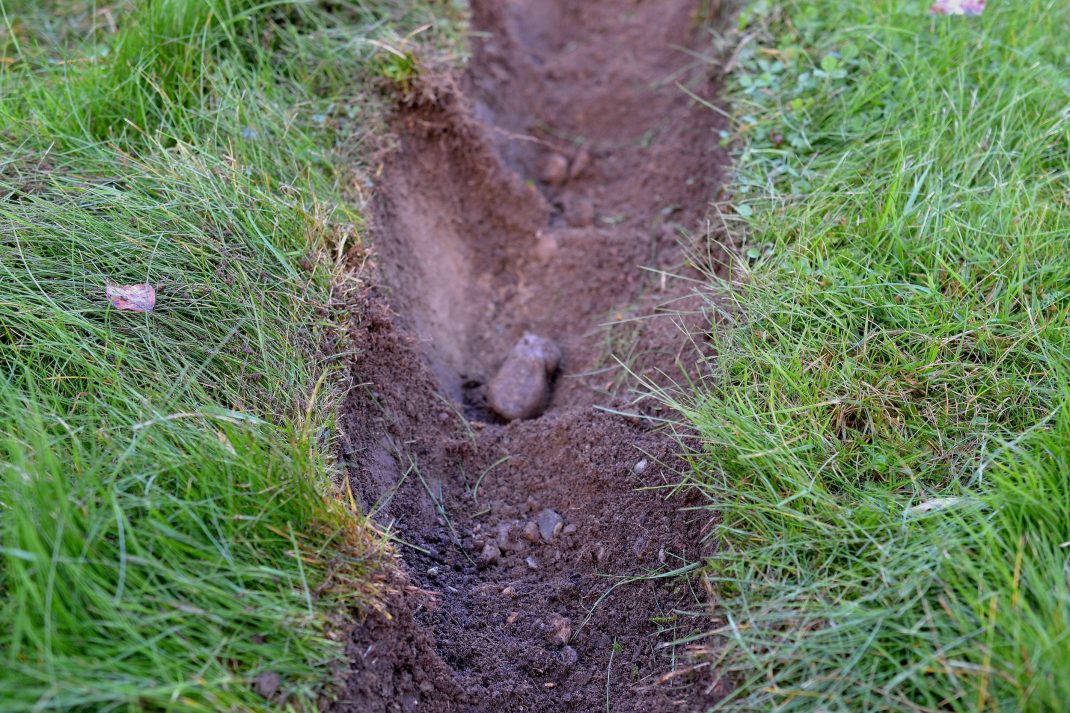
x=545 y=561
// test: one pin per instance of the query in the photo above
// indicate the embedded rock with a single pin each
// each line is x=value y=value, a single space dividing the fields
x=521 y=388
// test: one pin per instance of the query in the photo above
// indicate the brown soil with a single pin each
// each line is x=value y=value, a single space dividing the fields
x=481 y=239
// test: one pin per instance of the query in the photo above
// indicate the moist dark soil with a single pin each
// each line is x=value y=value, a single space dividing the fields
x=546 y=562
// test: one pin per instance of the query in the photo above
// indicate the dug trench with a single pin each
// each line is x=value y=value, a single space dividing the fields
x=545 y=559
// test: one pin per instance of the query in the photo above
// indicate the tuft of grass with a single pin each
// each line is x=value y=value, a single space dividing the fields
x=167 y=531
x=884 y=428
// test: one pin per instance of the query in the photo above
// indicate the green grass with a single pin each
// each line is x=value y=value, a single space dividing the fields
x=884 y=429
x=167 y=527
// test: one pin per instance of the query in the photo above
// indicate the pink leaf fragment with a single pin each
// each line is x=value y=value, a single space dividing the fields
x=957 y=7
x=132 y=298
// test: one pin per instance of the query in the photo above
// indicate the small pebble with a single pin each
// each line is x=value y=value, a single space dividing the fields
x=490 y=553
x=560 y=630
x=513 y=616
x=504 y=530
x=267 y=684
x=550 y=524
x=554 y=170
x=532 y=563
x=568 y=656
x=570 y=529
x=432 y=571
x=640 y=467
x=531 y=532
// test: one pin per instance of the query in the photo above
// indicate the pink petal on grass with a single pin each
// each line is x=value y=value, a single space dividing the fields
x=957 y=7
x=133 y=298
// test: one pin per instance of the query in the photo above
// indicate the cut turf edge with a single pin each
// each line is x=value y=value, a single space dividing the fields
x=883 y=429
x=169 y=538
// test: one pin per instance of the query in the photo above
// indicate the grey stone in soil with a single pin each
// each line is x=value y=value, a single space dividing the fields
x=504 y=532
x=640 y=467
x=568 y=656
x=550 y=524
x=521 y=388
x=490 y=553
x=541 y=348
x=554 y=169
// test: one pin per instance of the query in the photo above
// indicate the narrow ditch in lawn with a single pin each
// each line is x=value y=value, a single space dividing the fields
x=526 y=198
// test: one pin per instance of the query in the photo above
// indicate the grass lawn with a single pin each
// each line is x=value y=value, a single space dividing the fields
x=886 y=426
x=168 y=540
